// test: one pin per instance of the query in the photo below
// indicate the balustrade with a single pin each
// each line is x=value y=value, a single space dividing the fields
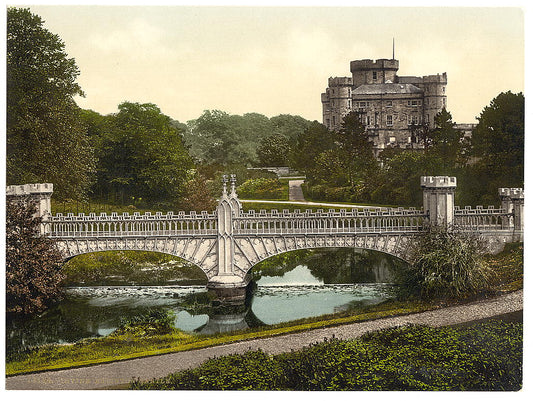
x=126 y=225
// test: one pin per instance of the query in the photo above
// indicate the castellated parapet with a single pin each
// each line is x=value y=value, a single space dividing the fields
x=438 y=182
x=29 y=189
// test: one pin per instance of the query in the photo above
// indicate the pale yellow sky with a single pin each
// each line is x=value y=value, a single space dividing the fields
x=278 y=60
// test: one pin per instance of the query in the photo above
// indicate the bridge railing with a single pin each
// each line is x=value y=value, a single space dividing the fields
x=126 y=225
x=331 y=222
x=483 y=219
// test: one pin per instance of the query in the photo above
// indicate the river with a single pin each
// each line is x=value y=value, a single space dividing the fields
x=298 y=285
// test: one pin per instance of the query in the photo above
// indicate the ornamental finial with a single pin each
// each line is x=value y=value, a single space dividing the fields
x=233 y=181
x=224 y=184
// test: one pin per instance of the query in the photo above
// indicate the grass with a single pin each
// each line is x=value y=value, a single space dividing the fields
x=508 y=266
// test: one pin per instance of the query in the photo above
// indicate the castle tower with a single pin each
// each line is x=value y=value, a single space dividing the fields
x=365 y=72
x=434 y=87
x=337 y=101
x=439 y=199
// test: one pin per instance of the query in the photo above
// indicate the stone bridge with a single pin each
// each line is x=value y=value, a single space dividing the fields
x=227 y=243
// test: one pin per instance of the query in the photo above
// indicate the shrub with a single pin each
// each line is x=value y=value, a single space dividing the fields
x=152 y=322
x=33 y=262
x=485 y=356
x=447 y=263
x=262 y=188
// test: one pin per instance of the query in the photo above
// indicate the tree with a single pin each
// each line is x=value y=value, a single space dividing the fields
x=498 y=149
x=309 y=144
x=355 y=150
x=273 y=151
x=33 y=262
x=197 y=196
x=143 y=156
x=46 y=141
x=445 y=142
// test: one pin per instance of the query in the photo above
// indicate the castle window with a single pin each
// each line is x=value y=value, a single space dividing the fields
x=374 y=75
x=334 y=121
x=367 y=120
x=327 y=123
x=389 y=120
x=392 y=139
x=389 y=103
x=444 y=102
x=443 y=89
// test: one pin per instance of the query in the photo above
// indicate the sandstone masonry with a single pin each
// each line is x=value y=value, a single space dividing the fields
x=394 y=109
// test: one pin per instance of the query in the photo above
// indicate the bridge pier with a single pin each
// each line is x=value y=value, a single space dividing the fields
x=228 y=290
x=439 y=199
x=513 y=203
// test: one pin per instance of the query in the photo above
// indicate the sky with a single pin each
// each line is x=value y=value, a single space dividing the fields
x=277 y=60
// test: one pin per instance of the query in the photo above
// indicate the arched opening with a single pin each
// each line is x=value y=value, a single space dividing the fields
x=131 y=267
x=312 y=282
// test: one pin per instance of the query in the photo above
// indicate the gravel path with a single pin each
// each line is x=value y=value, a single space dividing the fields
x=120 y=373
x=295 y=190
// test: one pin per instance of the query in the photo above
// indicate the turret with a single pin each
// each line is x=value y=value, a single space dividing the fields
x=373 y=72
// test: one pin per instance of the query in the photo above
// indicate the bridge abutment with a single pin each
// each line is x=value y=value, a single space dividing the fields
x=41 y=194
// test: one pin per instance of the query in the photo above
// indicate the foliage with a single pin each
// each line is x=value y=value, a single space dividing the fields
x=273 y=151
x=130 y=267
x=197 y=195
x=217 y=137
x=150 y=323
x=498 y=148
x=46 y=140
x=447 y=263
x=446 y=146
x=33 y=263
x=142 y=157
x=262 y=188
x=398 y=181
x=309 y=144
x=404 y=358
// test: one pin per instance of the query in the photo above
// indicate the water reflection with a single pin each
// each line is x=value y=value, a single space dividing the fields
x=296 y=285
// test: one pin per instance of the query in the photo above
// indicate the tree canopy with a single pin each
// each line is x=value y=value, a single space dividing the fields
x=46 y=141
x=141 y=155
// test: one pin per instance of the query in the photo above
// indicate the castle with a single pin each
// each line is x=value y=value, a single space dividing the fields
x=394 y=109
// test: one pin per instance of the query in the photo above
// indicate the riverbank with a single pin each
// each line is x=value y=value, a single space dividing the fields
x=118 y=374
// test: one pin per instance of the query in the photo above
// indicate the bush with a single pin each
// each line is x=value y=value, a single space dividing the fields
x=447 y=263
x=152 y=322
x=485 y=356
x=262 y=188
x=33 y=262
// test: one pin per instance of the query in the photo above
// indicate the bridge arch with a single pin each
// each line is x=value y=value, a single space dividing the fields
x=249 y=251
x=199 y=252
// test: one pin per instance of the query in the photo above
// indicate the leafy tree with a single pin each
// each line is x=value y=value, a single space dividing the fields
x=197 y=195
x=355 y=150
x=446 y=144
x=398 y=181
x=33 y=263
x=289 y=126
x=498 y=148
x=143 y=156
x=309 y=144
x=46 y=141
x=273 y=151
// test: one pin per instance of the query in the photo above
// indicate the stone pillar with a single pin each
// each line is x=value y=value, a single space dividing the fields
x=40 y=193
x=439 y=199
x=507 y=206
x=517 y=198
x=513 y=203
x=226 y=285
